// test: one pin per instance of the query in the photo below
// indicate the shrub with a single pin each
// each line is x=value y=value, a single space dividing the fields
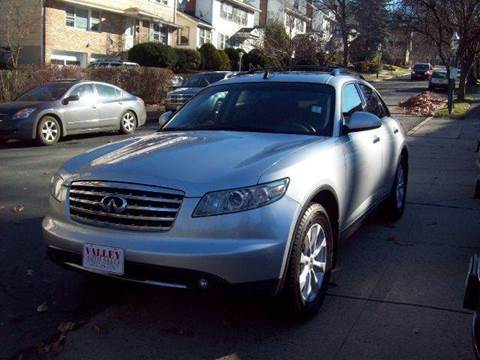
x=187 y=60
x=225 y=63
x=255 y=58
x=153 y=54
x=212 y=59
x=368 y=66
x=151 y=84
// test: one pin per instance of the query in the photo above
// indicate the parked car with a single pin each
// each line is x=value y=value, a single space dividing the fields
x=421 y=71
x=471 y=300
x=251 y=184
x=49 y=112
x=191 y=86
x=439 y=79
x=113 y=63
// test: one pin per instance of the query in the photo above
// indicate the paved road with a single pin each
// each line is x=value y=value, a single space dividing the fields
x=209 y=325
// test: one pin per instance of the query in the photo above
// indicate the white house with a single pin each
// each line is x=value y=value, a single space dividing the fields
x=232 y=21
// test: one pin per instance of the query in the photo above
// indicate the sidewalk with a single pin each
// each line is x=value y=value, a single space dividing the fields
x=397 y=293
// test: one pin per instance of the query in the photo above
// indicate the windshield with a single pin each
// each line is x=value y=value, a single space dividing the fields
x=421 y=67
x=49 y=92
x=202 y=80
x=291 y=108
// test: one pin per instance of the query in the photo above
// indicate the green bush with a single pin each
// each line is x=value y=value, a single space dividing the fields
x=213 y=59
x=255 y=58
x=234 y=56
x=187 y=60
x=150 y=84
x=153 y=54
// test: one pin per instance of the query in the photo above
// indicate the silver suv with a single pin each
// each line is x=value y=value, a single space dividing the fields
x=253 y=182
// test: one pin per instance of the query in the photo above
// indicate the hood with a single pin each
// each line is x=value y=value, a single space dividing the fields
x=186 y=91
x=12 y=107
x=195 y=162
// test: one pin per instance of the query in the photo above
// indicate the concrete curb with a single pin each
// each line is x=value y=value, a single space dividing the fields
x=416 y=128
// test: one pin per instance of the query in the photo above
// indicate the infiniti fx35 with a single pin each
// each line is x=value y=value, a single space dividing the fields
x=252 y=183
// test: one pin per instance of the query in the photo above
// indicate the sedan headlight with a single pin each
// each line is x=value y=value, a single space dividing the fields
x=230 y=201
x=58 y=189
x=24 y=113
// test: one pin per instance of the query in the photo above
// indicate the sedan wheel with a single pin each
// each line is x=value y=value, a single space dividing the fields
x=48 y=131
x=395 y=204
x=128 y=123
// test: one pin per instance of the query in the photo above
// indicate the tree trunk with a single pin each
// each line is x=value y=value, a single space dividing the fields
x=345 y=48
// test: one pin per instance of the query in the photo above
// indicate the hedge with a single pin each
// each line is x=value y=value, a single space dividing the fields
x=153 y=54
x=150 y=84
x=213 y=59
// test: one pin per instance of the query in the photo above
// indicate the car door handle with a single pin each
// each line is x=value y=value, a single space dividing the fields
x=395 y=131
x=376 y=139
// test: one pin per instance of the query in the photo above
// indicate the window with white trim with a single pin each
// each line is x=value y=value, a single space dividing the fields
x=205 y=36
x=300 y=25
x=222 y=41
x=183 y=36
x=158 y=33
x=163 y=2
x=231 y=13
x=82 y=18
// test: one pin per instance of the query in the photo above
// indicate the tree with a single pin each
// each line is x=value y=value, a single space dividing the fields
x=438 y=20
x=342 y=12
x=277 y=45
x=16 y=26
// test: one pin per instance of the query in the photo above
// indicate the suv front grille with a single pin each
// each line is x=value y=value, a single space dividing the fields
x=128 y=206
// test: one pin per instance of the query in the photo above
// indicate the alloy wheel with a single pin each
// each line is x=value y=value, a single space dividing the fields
x=128 y=122
x=313 y=261
x=49 y=131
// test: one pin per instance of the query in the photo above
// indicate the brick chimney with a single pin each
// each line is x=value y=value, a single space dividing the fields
x=190 y=6
x=262 y=19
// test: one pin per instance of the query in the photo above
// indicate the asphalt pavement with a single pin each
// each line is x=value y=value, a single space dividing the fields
x=396 y=294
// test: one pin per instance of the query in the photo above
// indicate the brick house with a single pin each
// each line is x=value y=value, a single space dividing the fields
x=81 y=31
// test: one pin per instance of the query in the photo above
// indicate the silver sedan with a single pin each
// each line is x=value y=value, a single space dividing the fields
x=49 y=112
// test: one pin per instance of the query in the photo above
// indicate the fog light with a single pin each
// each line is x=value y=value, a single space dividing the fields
x=203 y=283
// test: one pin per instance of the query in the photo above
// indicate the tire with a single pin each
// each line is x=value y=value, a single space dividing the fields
x=48 y=131
x=395 y=204
x=128 y=123
x=296 y=299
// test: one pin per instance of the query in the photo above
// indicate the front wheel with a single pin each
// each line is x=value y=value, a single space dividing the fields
x=48 y=130
x=396 y=201
x=310 y=264
x=128 y=124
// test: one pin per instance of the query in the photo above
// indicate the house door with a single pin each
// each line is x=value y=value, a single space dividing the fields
x=129 y=33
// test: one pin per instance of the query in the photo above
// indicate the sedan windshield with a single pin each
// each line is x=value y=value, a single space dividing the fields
x=291 y=108
x=202 y=80
x=49 y=92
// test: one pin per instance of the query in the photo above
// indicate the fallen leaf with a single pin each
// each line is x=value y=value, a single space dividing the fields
x=233 y=356
x=416 y=331
x=42 y=307
x=29 y=272
x=98 y=329
x=57 y=346
x=177 y=331
x=18 y=209
x=45 y=173
x=66 y=326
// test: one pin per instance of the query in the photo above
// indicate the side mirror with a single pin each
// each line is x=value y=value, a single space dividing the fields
x=162 y=120
x=70 y=98
x=360 y=121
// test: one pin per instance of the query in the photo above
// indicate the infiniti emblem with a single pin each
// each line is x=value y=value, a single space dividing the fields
x=114 y=204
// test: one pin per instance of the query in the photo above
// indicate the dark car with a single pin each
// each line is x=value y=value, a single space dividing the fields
x=421 y=71
x=191 y=86
x=49 y=112
x=471 y=300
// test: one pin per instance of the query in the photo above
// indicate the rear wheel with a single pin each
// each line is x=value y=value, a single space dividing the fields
x=48 y=130
x=310 y=264
x=396 y=201
x=128 y=124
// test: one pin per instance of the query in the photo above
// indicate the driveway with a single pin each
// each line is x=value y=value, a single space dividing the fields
x=397 y=291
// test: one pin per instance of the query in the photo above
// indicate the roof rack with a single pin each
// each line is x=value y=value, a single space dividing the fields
x=328 y=69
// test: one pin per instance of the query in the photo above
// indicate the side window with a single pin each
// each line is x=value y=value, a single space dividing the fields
x=373 y=103
x=106 y=92
x=84 y=92
x=351 y=100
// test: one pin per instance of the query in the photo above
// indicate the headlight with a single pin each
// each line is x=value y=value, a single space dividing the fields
x=58 y=189
x=230 y=201
x=24 y=113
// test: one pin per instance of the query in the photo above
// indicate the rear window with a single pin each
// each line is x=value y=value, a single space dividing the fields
x=421 y=67
x=439 y=75
x=291 y=108
x=108 y=92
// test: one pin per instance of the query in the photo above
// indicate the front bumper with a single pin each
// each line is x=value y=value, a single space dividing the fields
x=17 y=129
x=233 y=249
